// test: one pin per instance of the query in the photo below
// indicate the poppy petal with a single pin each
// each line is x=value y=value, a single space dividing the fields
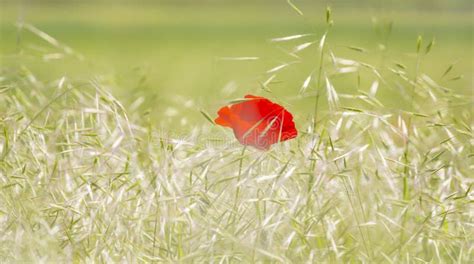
x=224 y=117
x=258 y=122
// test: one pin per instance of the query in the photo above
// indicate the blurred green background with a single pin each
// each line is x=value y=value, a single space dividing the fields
x=174 y=54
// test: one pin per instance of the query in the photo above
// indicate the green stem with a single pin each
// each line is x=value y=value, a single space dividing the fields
x=318 y=86
x=406 y=159
x=406 y=171
x=237 y=192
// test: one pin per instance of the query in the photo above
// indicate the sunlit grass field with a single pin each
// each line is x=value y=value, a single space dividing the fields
x=108 y=151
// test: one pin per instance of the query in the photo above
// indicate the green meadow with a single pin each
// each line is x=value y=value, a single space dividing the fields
x=165 y=52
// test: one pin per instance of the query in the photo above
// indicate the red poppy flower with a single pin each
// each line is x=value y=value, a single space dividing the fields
x=258 y=122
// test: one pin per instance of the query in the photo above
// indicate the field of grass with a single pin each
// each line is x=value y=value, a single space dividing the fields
x=106 y=153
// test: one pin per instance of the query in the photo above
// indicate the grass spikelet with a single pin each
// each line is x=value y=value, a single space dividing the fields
x=288 y=38
x=290 y=3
